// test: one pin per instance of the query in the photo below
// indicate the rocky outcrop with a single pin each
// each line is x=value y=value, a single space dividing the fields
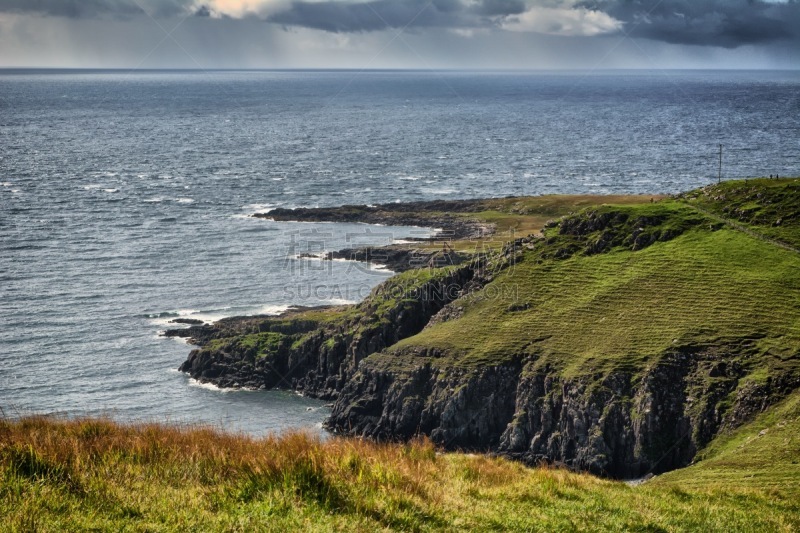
x=401 y=258
x=436 y=214
x=317 y=357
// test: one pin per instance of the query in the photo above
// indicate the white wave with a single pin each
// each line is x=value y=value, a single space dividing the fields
x=439 y=191
x=341 y=301
x=154 y=200
x=6 y=184
x=208 y=386
x=185 y=201
x=92 y=186
x=260 y=208
x=409 y=178
x=213 y=315
x=16 y=191
x=277 y=179
x=110 y=190
x=273 y=309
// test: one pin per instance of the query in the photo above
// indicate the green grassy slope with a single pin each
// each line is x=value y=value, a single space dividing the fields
x=766 y=206
x=764 y=455
x=607 y=311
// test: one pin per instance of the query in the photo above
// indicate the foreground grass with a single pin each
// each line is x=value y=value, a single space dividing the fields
x=58 y=475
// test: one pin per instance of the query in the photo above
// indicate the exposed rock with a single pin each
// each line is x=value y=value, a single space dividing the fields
x=400 y=258
x=191 y=321
x=318 y=358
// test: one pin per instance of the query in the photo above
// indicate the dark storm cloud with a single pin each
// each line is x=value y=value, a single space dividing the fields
x=725 y=23
x=339 y=17
x=96 y=8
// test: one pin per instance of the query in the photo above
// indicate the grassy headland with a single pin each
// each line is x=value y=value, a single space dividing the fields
x=621 y=334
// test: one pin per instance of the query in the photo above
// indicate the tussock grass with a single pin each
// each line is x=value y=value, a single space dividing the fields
x=60 y=475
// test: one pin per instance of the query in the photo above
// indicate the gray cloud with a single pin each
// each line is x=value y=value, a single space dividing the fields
x=724 y=23
x=721 y=23
x=96 y=8
x=373 y=15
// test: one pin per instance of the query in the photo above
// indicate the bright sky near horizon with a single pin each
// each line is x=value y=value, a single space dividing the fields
x=505 y=34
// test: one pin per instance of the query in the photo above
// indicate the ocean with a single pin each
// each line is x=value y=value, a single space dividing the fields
x=125 y=199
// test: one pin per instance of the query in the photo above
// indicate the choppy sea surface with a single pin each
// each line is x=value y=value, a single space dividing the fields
x=124 y=199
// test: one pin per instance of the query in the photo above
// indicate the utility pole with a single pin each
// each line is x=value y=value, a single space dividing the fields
x=719 y=176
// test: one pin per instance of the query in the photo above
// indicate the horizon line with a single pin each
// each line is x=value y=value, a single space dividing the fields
x=387 y=69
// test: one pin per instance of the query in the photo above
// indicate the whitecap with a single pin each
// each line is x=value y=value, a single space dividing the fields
x=110 y=190
x=409 y=178
x=273 y=309
x=153 y=200
x=92 y=186
x=185 y=201
x=258 y=208
x=6 y=184
x=208 y=386
x=439 y=191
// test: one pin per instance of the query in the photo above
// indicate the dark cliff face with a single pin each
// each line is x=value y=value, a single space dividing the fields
x=621 y=425
x=458 y=410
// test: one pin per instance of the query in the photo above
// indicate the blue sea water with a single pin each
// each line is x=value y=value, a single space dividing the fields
x=124 y=199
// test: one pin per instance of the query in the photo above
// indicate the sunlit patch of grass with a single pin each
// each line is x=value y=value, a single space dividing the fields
x=621 y=309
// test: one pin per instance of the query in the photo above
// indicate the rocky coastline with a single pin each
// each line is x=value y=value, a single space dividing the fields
x=624 y=423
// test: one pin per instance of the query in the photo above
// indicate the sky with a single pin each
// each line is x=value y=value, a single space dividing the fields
x=425 y=34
